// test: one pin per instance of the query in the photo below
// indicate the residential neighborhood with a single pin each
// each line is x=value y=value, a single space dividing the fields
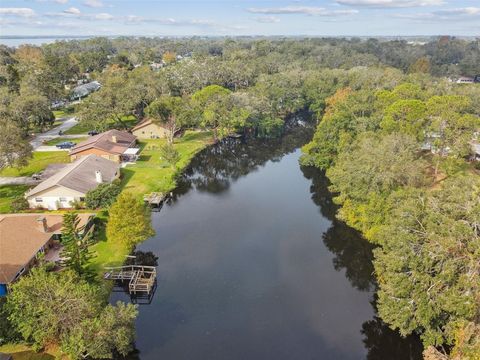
x=245 y=191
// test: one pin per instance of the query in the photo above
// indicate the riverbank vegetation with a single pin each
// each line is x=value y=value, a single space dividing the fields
x=393 y=134
x=399 y=161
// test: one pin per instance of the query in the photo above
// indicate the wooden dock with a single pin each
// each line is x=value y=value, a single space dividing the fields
x=141 y=279
x=154 y=198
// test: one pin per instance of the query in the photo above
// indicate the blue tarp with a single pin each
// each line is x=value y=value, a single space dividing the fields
x=3 y=289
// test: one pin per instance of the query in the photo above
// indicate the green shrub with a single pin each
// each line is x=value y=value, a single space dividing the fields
x=103 y=196
x=19 y=204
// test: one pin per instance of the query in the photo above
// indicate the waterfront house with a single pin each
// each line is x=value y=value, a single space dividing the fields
x=147 y=129
x=114 y=145
x=72 y=182
x=25 y=237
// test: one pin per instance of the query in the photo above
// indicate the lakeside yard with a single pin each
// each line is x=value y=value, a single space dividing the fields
x=39 y=161
x=153 y=174
x=149 y=174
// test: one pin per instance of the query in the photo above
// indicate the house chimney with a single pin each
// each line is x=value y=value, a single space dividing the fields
x=42 y=224
x=114 y=138
x=98 y=176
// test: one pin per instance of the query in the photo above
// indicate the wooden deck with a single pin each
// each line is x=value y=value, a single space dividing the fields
x=141 y=279
x=154 y=198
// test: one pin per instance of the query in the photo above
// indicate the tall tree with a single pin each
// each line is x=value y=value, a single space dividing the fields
x=128 y=221
x=76 y=242
x=14 y=148
x=61 y=309
x=171 y=112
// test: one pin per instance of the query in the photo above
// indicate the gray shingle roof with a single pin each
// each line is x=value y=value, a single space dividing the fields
x=104 y=141
x=80 y=175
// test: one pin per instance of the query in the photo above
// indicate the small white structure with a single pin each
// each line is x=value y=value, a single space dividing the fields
x=72 y=183
x=465 y=80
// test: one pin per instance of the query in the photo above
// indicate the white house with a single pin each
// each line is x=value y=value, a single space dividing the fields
x=72 y=183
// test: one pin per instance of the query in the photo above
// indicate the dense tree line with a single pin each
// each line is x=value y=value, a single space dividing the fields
x=377 y=103
x=399 y=162
x=270 y=78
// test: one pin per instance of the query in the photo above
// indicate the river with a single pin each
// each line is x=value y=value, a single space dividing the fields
x=253 y=265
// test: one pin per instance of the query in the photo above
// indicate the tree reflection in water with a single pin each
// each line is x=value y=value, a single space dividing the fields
x=214 y=170
x=354 y=255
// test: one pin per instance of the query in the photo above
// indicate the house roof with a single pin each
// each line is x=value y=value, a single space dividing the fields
x=85 y=89
x=112 y=141
x=21 y=237
x=80 y=175
x=143 y=123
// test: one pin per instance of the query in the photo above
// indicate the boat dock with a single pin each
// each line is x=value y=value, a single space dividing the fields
x=141 y=279
x=155 y=198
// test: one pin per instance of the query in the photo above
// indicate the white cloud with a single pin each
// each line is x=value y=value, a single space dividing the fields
x=93 y=3
x=103 y=16
x=391 y=3
x=460 y=11
x=267 y=19
x=467 y=13
x=23 y=12
x=61 y=1
x=72 y=10
x=307 y=10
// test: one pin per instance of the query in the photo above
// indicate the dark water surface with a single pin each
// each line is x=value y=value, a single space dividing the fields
x=253 y=265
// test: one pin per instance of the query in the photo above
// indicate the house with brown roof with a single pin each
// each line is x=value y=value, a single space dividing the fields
x=147 y=129
x=72 y=182
x=24 y=237
x=114 y=145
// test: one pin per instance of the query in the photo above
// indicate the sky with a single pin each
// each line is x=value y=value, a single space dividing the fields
x=240 y=17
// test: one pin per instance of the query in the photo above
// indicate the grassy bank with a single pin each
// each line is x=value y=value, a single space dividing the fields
x=149 y=174
x=39 y=161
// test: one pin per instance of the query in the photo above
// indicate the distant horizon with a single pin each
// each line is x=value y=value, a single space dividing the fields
x=367 y=18
x=53 y=36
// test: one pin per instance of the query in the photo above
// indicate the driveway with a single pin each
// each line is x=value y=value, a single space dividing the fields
x=67 y=123
x=19 y=180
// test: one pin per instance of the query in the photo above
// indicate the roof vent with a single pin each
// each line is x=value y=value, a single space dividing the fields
x=114 y=138
x=42 y=224
x=98 y=176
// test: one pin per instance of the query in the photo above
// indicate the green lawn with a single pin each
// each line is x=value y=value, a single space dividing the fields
x=24 y=352
x=62 y=139
x=150 y=173
x=39 y=161
x=64 y=112
x=8 y=193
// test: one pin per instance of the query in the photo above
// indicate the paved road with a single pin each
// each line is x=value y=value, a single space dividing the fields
x=19 y=180
x=53 y=133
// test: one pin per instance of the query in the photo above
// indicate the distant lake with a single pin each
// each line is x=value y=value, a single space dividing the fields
x=252 y=264
x=17 y=41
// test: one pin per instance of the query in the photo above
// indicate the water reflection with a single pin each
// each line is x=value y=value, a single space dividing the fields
x=251 y=268
x=214 y=169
